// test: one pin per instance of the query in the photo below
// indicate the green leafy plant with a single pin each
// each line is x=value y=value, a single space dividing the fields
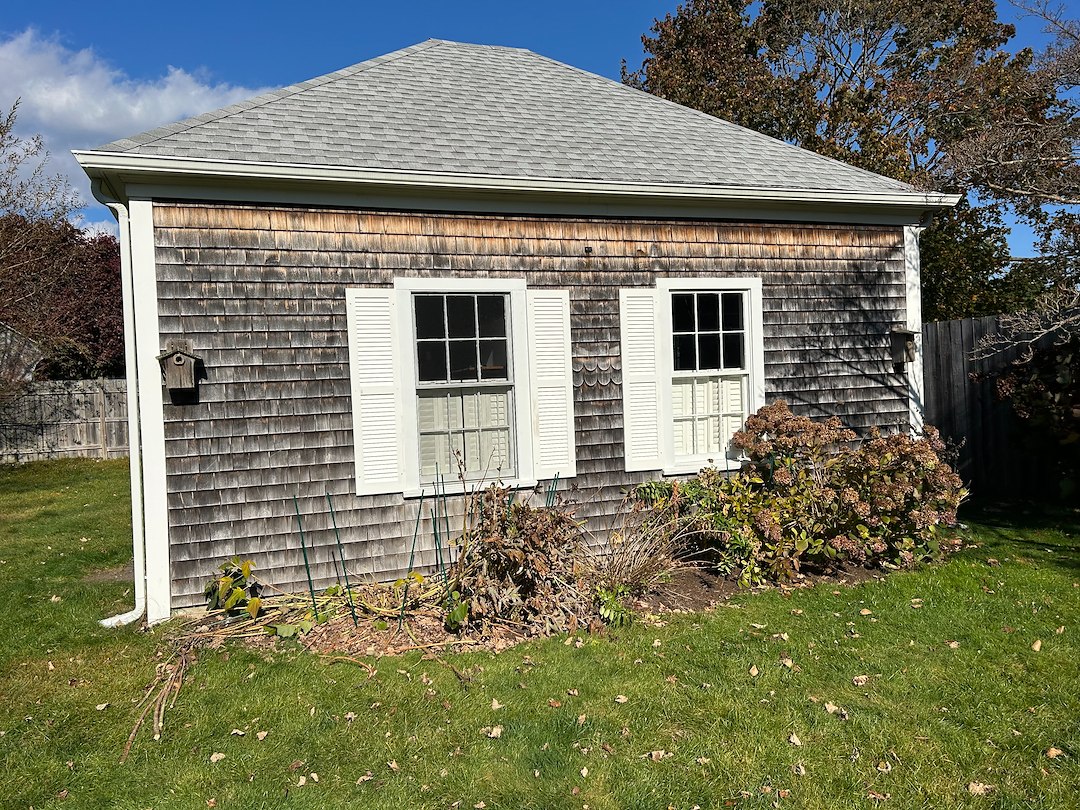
x=457 y=612
x=235 y=589
x=611 y=604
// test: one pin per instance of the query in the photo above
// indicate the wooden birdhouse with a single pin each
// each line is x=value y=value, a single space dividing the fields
x=178 y=365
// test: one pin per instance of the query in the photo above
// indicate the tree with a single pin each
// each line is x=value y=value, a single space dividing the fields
x=59 y=286
x=917 y=91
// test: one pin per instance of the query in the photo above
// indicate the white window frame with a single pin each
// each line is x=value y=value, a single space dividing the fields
x=755 y=368
x=517 y=357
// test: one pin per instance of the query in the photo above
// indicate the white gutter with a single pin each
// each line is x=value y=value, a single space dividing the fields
x=138 y=535
x=97 y=163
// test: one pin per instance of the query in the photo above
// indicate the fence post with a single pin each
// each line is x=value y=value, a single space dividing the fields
x=104 y=423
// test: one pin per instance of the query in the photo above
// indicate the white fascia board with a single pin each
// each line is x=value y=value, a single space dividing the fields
x=136 y=168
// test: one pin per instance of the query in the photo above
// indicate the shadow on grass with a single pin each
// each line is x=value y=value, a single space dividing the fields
x=1052 y=532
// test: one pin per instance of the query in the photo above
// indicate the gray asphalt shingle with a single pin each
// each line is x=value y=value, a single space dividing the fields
x=450 y=107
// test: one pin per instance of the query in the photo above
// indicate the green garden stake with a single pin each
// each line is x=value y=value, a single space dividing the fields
x=341 y=558
x=307 y=566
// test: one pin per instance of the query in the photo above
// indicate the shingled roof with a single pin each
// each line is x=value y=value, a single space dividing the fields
x=449 y=107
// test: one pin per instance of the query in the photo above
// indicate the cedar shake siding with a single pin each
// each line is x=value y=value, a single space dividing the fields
x=260 y=292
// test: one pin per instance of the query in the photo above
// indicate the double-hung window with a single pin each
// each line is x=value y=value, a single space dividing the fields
x=464 y=386
x=693 y=368
x=459 y=378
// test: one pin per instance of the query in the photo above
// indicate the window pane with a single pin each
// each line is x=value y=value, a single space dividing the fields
x=685 y=352
x=708 y=312
x=495 y=409
x=682 y=398
x=431 y=361
x=429 y=316
x=435 y=456
x=682 y=312
x=461 y=316
x=733 y=351
x=491 y=314
x=463 y=360
x=431 y=413
x=495 y=451
x=709 y=351
x=493 y=360
x=733 y=318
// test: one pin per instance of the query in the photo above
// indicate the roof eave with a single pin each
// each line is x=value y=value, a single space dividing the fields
x=136 y=168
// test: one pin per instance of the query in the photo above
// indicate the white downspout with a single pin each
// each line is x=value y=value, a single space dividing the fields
x=138 y=534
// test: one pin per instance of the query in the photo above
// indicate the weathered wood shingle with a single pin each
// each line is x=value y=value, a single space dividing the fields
x=261 y=293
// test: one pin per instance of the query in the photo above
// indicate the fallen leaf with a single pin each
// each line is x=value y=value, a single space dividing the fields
x=102 y=707
x=217 y=756
x=1054 y=753
x=572 y=692
x=702 y=760
x=979 y=789
x=787 y=662
x=536 y=774
x=581 y=720
x=584 y=772
x=350 y=716
x=314 y=777
x=884 y=766
x=658 y=755
x=831 y=708
x=796 y=612
x=860 y=680
x=1037 y=645
x=301 y=781
x=480 y=805
x=877 y=797
x=656 y=642
x=261 y=735
x=495 y=705
x=237 y=732
x=954 y=645
x=296 y=764
x=794 y=739
x=63 y=794
x=798 y=769
x=671 y=679
x=754 y=671
x=392 y=765
x=758 y=626
x=54 y=599
x=494 y=732
x=367 y=777
x=1060 y=630
x=621 y=698
x=866 y=612
x=553 y=703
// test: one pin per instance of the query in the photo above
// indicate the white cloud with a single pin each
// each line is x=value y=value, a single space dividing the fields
x=76 y=100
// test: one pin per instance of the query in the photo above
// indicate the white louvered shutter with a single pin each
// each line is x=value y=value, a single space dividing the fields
x=373 y=367
x=552 y=389
x=641 y=380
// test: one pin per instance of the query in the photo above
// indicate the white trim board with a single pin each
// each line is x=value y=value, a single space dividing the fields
x=151 y=412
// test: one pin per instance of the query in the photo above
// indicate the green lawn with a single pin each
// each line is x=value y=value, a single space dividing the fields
x=955 y=693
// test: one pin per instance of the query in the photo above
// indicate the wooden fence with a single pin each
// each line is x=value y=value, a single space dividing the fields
x=85 y=418
x=995 y=455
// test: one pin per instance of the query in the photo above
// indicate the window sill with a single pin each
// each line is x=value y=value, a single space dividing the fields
x=694 y=467
x=459 y=488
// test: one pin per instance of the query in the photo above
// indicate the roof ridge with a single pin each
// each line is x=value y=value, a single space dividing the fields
x=282 y=92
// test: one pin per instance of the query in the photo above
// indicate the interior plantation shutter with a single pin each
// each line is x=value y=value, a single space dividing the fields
x=373 y=365
x=551 y=384
x=640 y=376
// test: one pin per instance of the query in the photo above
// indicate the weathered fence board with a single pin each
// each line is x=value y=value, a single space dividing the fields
x=994 y=456
x=64 y=419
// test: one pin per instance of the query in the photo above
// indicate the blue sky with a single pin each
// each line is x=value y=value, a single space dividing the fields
x=88 y=74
